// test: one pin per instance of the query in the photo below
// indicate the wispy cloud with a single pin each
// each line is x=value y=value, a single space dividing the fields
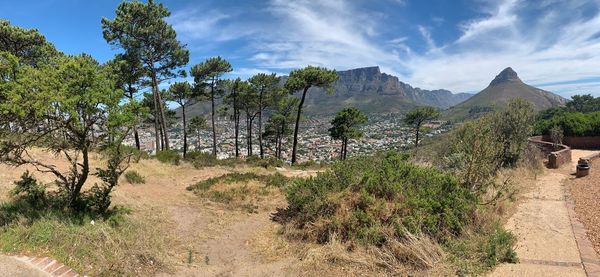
x=544 y=41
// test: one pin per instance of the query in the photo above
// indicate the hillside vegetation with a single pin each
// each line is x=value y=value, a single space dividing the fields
x=580 y=117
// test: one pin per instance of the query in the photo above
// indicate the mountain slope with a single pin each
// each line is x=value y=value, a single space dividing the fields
x=375 y=92
x=506 y=86
x=367 y=89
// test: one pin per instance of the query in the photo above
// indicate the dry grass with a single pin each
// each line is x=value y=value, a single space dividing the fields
x=586 y=192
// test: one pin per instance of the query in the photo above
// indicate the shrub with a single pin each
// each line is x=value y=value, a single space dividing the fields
x=133 y=177
x=136 y=154
x=201 y=159
x=28 y=189
x=168 y=156
x=265 y=162
x=276 y=180
x=572 y=123
x=366 y=198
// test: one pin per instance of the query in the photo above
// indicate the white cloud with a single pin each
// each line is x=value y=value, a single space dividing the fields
x=552 y=49
x=544 y=41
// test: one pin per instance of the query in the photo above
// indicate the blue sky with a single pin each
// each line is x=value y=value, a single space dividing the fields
x=458 y=45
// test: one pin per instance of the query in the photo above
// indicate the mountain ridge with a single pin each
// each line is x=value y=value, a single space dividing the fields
x=371 y=91
x=504 y=87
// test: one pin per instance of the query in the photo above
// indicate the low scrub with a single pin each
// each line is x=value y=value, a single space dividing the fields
x=275 y=180
x=133 y=177
x=366 y=198
x=168 y=156
x=413 y=214
x=265 y=162
x=240 y=190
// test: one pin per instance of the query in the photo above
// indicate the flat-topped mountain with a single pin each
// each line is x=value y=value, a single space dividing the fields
x=369 y=90
x=375 y=92
x=506 y=86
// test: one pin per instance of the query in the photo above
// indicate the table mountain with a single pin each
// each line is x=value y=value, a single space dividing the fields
x=371 y=91
x=375 y=92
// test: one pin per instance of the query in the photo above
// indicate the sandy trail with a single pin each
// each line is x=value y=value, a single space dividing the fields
x=546 y=242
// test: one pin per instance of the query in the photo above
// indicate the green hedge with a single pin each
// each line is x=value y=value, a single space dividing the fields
x=573 y=124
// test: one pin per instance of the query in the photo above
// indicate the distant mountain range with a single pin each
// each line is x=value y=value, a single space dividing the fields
x=369 y=90
x=375 y=92
x=506 y=86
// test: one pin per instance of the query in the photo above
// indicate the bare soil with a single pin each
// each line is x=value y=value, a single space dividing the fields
x=586 y=194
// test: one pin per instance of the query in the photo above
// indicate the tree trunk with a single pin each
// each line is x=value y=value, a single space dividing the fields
x=345 y=148
x=136 y=135
x=281 y=133
x=85 y=170
x=161 y=112
x=417 y=137
x=236 y=125
x=157 y=135
x=295 y=144
x=185 y=146
x=162 y=139
x=198 y=142
x=260 y=138
x=212 y=113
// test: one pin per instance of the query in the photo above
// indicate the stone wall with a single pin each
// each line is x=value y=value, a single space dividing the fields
x=555 y=158
x=578 y=142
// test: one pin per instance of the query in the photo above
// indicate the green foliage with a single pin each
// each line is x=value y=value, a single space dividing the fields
x=168 y=157
x=28 y=190
x=265 y=162
x=275 y=180
x=310 y=76
x=345 y=126
x=366 y=198
x=141 y=30
x=478 y=149
x=62 y=107
x=29 y=46
x=580 y=117
x=417 y=117
x=573 y=124
x=583 y=104
x=133 y=177
x=135 y=153
x=302 y=80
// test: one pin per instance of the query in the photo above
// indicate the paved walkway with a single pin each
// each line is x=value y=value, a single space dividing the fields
x=21 y=266
x=548 y=244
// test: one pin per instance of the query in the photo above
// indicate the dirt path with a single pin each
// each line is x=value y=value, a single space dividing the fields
x=546 y=240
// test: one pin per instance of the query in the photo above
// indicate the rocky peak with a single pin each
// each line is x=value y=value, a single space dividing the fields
x=507 y=75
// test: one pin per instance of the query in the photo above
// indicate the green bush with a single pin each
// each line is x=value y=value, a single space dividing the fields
x=133 y=177
x=265 y=162
x=168 y=156
x=368 y=198
x=572 y=123
x=28 y=189
x=276 y=180
x=201 y=159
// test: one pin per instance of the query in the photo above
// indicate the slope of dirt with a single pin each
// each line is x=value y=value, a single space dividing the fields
x=203 y=238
